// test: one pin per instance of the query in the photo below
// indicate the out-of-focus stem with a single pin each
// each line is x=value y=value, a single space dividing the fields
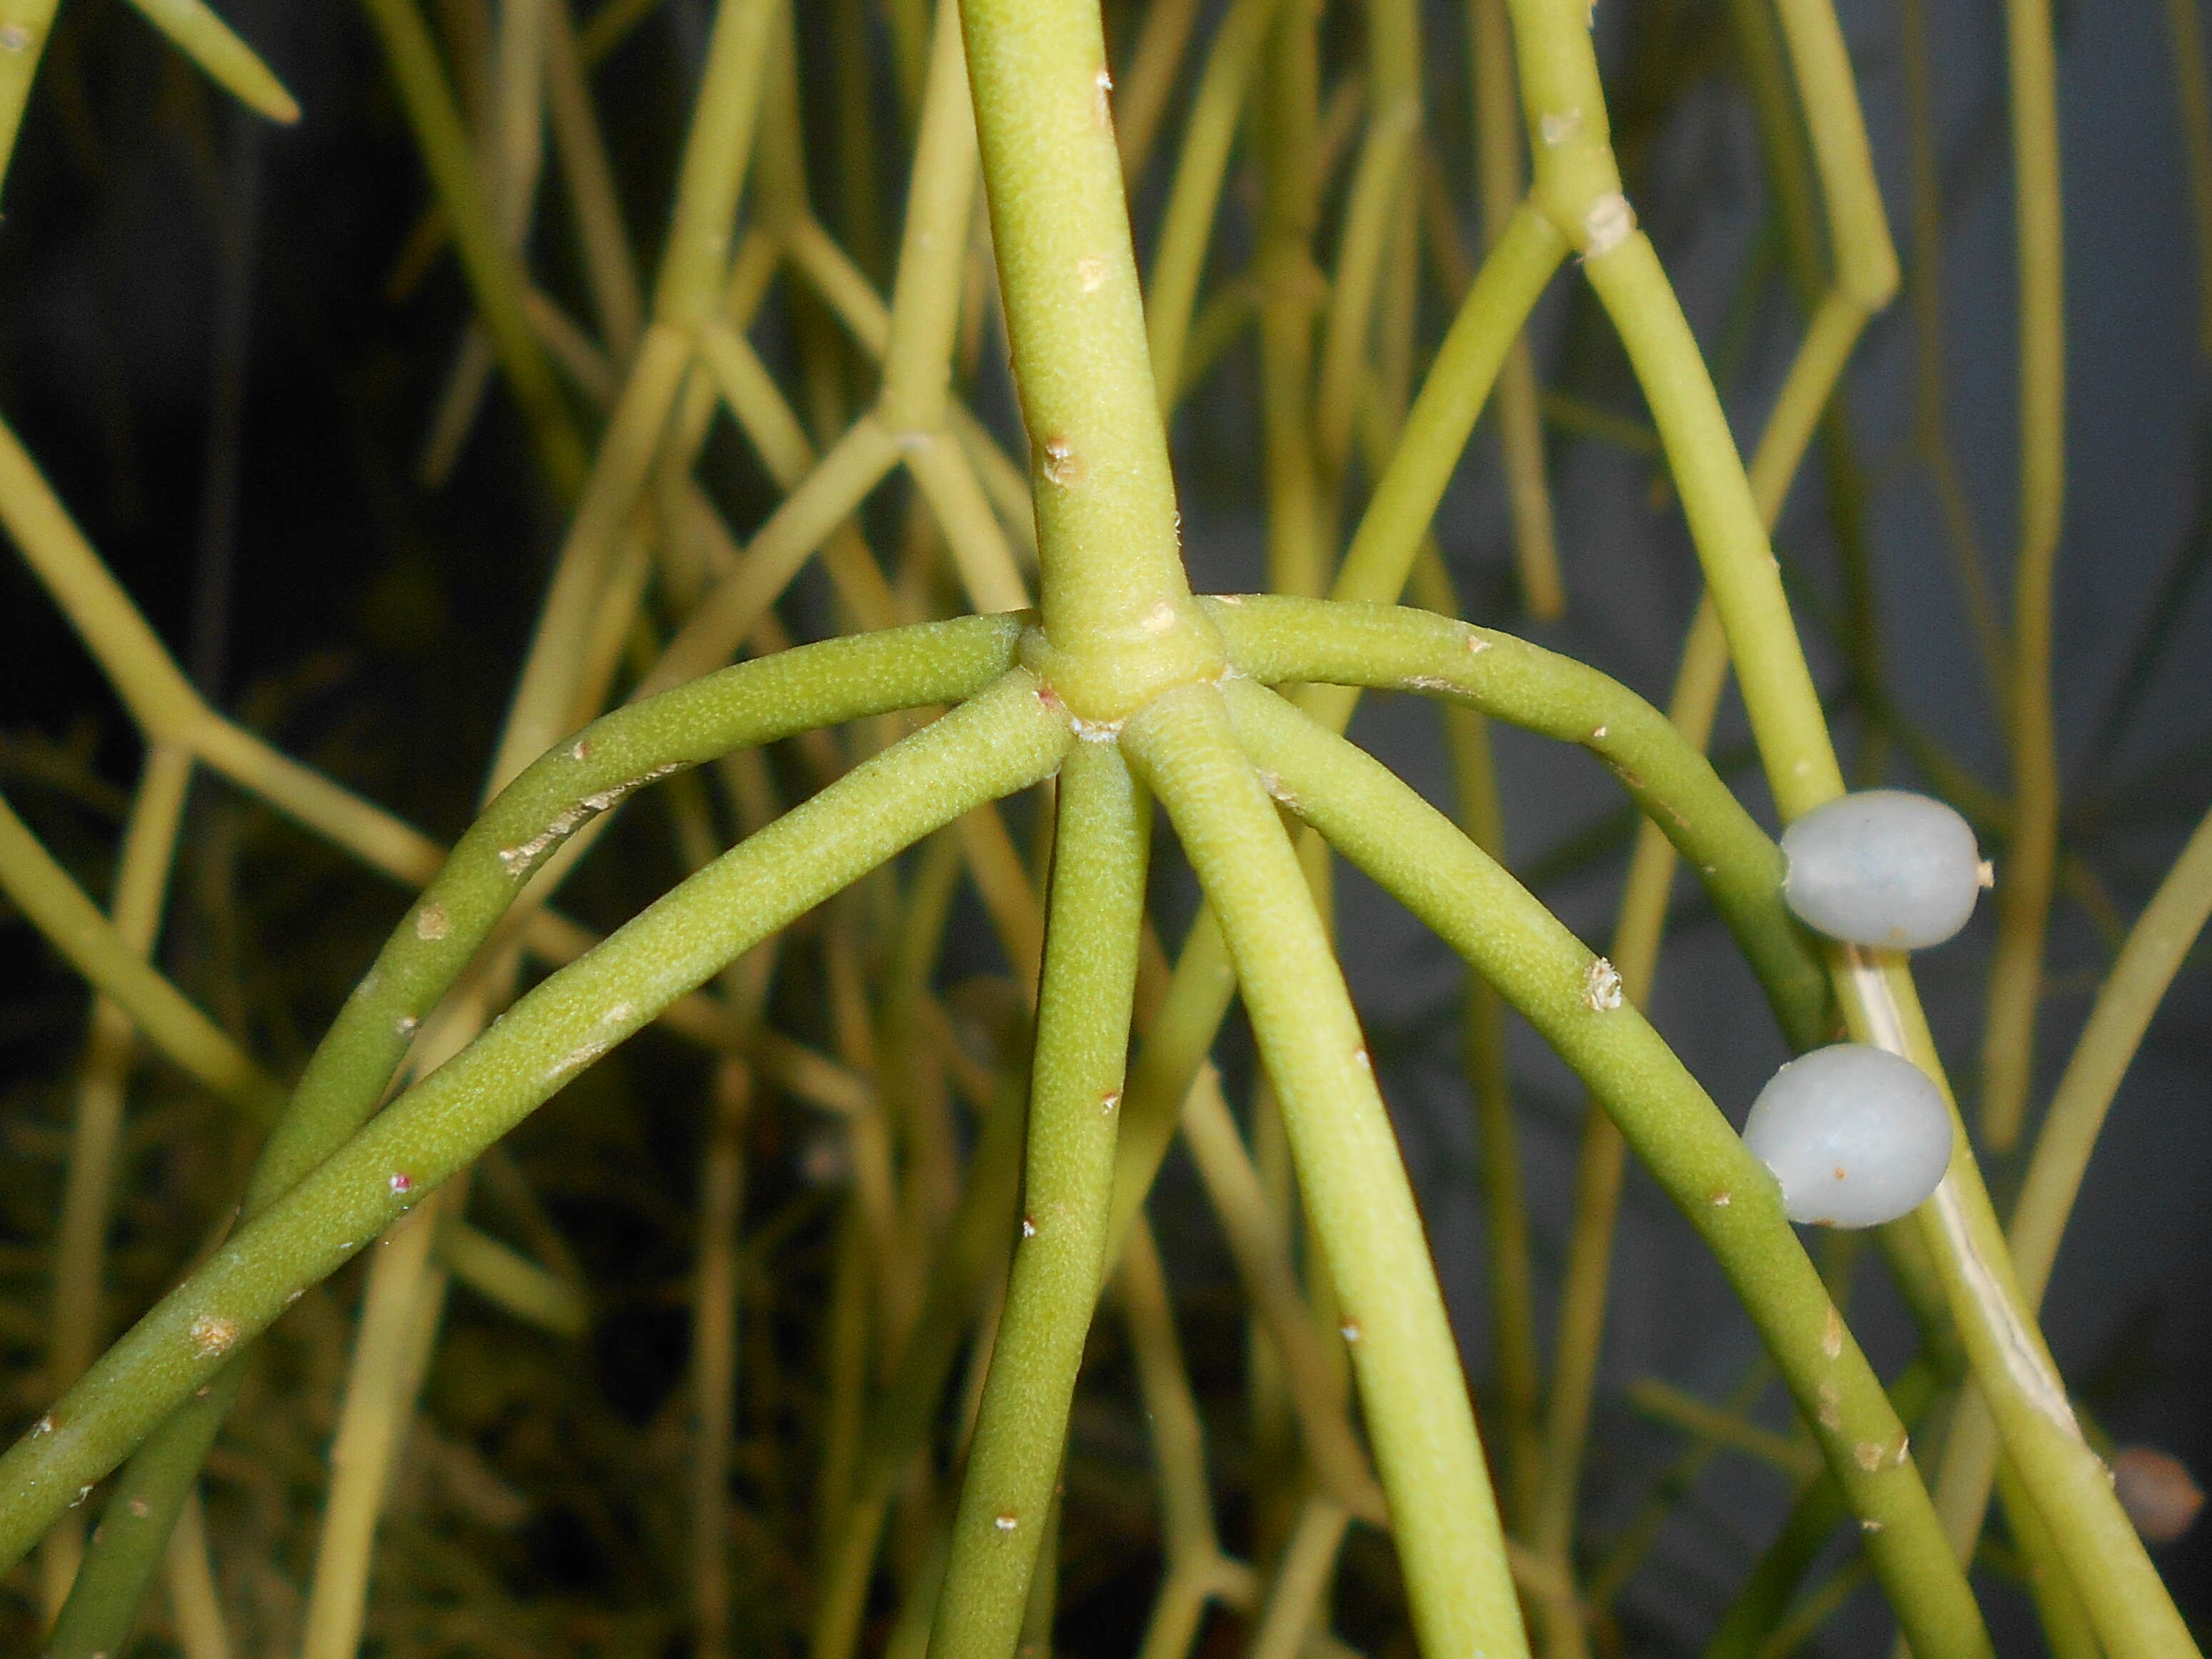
x=2024 y=884
x=1500 y=175
x=88 y=1197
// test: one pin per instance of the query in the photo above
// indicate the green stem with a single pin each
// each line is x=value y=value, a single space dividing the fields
x=1004 y=740
x=932 y=256
x=1924 y=291
x=1505 y=1203
x=1578 y=183
x=2156 y=946
x=1193 y=205
x=905 y=1408
x=1381 y=557
x=2152 y=954
x=1275 y=639
x=24 y=25
x=1295 y=1599
x=1599 y=1167
x=494 y=272
x=1258 y=1245
x=742 y=707
x=1501 y=177
x=1656 y=1398
x=1444 y=1520
x=1172 y=1422
x=1300 y=529
x=2024 y=890
x=1086 y=998
x=1119 y=621
x=196 y=30
x=1574 y=999
x=1148 y=81
x=58 y=908
x=141 y=886
x=1374 y=204
x=1724 y=522
x=2186 y=39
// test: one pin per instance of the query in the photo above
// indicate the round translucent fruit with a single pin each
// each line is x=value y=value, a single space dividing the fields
x=1856 y=1135
x=1883 y=867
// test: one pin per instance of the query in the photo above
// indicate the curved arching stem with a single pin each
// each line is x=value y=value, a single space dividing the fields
x=1275 y=641
x=1451 y=1548
x=1574 y=998
x=1003 y=740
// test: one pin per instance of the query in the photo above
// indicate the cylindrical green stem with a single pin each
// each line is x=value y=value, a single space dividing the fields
x=494 y=272
x=2032 y=852
x=1194 y=205
x=1277 y=639
x=1724 y=521
x=1444 y=1520
x=57 y=907
x=1119 y=621
x=1575 y=999
x=1515 y=1358
x=2155 y=947
x=1381 y=555
x=1599 y=1165
x=933 y=258
x=1501 y=177
x=24 y=25
x=1004 y=740
x=141 y=886
x=1087 y=991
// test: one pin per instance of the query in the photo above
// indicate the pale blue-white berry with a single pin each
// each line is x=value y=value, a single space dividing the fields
x=1883 y=867
x=1856 y=1135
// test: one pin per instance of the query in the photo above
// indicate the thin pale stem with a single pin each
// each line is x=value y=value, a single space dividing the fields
x=1505 y=1204
x=1381 y=557
x=1262 y=1255
x=1375 y=203
x=496 y=274
x=24 y=25
x=1501 y=177
x=1599 y=1168
x=2191 y=90
x=141 y=883
x=196 y=30
x=1925 y=292
x=1148 y=80
x=594 y=205
x=2032 y=852
x=933 y=258
x=58 y=908
x=1193 y=205
x=1296 y=1600
x=2152 y=954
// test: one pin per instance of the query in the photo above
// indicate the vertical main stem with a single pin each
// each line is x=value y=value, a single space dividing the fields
x=1087 y=996
x=1119 y=620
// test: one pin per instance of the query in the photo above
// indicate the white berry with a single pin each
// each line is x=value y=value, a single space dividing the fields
x=1856 y=1135
x=1883 y=867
